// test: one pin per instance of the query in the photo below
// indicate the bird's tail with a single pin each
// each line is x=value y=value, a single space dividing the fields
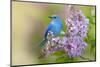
x=42 y=44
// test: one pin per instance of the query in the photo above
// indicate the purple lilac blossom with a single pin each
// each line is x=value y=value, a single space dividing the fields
x=72 y=43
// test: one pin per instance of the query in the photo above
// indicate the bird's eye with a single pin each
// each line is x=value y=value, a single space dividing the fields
x=54 y=17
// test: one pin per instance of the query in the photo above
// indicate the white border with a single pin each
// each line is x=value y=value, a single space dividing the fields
x=4 y=33
x=86 y=2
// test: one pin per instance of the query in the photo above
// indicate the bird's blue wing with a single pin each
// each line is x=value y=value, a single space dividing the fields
x=48 y=29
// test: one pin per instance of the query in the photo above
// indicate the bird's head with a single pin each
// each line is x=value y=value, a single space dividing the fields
x=54 y=17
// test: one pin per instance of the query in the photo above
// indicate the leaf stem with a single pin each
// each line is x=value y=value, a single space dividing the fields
x=85 y=58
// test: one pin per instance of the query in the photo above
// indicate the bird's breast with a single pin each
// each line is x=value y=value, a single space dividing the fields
x=56 y=29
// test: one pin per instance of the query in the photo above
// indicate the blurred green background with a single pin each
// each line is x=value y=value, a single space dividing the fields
x=29 y=21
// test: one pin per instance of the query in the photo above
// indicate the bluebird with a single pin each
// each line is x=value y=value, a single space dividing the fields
x=54 y=26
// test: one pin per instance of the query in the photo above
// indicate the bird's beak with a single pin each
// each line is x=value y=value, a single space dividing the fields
x=50 y=17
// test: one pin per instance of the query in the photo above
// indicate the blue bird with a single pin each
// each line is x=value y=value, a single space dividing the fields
x=55 y=26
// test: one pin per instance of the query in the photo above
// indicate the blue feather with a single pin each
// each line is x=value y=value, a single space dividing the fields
x=55 y=26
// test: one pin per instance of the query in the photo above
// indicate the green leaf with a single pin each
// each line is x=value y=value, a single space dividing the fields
x=58 y=53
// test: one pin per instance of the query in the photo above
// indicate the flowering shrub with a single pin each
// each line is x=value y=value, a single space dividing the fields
x=73 y=41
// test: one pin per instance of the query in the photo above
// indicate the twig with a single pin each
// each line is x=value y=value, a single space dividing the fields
x=85 y=58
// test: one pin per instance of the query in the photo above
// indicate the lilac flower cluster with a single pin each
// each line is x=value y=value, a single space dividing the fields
x=77 y=26
x=72 y=43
